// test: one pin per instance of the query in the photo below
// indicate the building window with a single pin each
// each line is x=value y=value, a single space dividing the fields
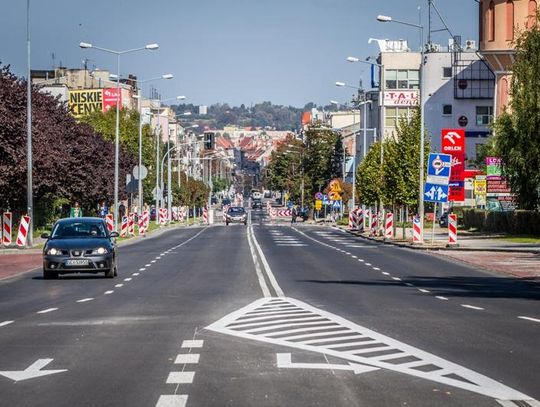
x=447 y=110
x=393 y=114
x=402 y=78
x=491 y=21
x=509 y=20
x=447 y=72
x=532 y=14
x=480 y=21
x=484 y=115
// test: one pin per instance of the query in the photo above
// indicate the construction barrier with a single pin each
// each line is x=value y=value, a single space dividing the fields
x=181 y=214
x=124 y=227
x=109 y=220
x=389 y=226
x=163 y=216
x=452 y=230
x=225 y=209
x=7 y=219
x=374 y=224
x=356 y=219
x=141 y=226
x=24 y=226
x=352 y=220
x=131 y=224
x=146 y=220
x=417 y=231
x=282 y=213
x=174 y=213
x=205 y=216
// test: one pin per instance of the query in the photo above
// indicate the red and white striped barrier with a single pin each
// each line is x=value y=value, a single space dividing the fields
x=124 y=227
x=181 y=214
x=131 y=224
x=141 y=226
x=146 y=219
x=417 y=231
x=452 y=230
x=174 y=213
x=205 y=216
x=273 y=213
x=24 y=226
x=163 y=216
x=225 y=209
x=7 y=219
x=389 y=226
x=352 y=220
x=109 y=220
x=282 y=213
x=374 y=224
x=356 y=219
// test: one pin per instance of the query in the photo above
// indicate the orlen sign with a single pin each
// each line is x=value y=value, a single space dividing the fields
x=453 y=142
x=85 y=101
x=401 y=98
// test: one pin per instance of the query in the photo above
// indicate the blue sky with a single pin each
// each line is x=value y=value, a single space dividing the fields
x=228 y=51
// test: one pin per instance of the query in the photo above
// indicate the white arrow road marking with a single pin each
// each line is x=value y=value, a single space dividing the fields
x=284 y=361
x=335 y=336
x=32 y=371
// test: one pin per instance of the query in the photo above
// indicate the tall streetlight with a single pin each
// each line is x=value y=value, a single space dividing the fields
x=29 y=192
x=139 y=100
x=388 y=19
x=117 y=131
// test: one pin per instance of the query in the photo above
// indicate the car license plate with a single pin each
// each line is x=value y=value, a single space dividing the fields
x=76 y=262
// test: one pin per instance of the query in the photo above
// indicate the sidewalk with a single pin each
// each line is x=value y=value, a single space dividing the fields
x=488 y=252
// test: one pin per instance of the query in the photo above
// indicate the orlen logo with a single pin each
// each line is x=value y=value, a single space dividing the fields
x=452 y=136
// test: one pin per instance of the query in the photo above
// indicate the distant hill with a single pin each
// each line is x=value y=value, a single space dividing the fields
x=265 y=115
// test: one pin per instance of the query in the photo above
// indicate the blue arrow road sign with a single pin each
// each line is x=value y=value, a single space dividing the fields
x=435 y=193
x=439 y=166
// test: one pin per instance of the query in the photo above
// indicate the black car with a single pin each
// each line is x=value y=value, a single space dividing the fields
x=79 y=245
x=236 y=214
x=256 y=204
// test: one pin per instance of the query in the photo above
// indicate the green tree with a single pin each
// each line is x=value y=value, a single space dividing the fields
x=517 y=132
x=368 y=177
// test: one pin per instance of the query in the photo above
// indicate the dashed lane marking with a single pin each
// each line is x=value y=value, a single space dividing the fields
x=332 y=335
x=439 y=297
x=135 y=274
x=142 y=269
x=185 y=358
x=472 y=307
x=529 y=319
x=396 y=278
x=119 y=285
x=109 y=292
x=193 y=343
x=180 y=377
x=153 y=261
x=45 y=311
x=4 y=323
x=85 y=300
x=423 y=290
x=147 y=265
x=128 y=279
x=173 y=400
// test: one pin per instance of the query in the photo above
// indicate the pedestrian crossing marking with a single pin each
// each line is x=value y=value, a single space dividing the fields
x=273 y=320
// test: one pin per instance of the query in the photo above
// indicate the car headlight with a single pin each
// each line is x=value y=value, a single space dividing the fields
x=100 y=250
x=54 y=252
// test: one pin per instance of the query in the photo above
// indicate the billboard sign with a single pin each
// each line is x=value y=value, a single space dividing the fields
x=401 y=98
x=453 y=142
x=82 y=102
x=493 y=165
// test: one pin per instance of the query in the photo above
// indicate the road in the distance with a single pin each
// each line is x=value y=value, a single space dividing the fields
x=191 y=327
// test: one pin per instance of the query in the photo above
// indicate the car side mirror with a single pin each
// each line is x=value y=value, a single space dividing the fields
x=114 y=234
x=44 y=235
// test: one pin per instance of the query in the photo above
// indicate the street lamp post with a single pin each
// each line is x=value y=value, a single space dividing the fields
x=29 y=191
x=388 y=19
x=117 y=128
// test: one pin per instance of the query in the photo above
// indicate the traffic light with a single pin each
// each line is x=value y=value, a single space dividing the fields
x=209 y=140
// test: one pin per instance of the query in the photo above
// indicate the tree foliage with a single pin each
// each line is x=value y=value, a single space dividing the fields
x=70 y=160
x=517 y=132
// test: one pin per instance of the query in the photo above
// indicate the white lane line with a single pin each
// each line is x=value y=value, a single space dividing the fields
x=396 y=278
x=354 y=257
x=472 y=307
x=147 y=265
x=128 y=279
x=6 y=323
x=386 y=273
x=44 y=311
x=376 y=268
x=153 y=261
x=368 y=264
x=439 y=297
x=192 y=344
x=180 y=377
x=119 y=285
x=163 y=254
x=85 y=300
x=362 y=260
x=169 y=400
x=108 y=292
x=135 y=274
x=142 y=269
x=268 y=270
x=423 y=290
x=529 y=319
x=158 y=257
x=258 y=271
x=187 y=358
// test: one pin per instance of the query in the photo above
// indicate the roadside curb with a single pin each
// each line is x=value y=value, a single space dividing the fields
x=409 y=245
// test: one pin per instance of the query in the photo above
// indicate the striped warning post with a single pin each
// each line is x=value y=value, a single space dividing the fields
x=7 y=219
x=352 y=220
x=205 y=216
x=141 y=226
x=131 y=224
x=225 y=209
x=360 y=219
x=181 y=214
x=146 y=219
x=163 y=215
x=124 y=227
x=374 y=224
x=109 y=220
x=417 y=231
x=174 y=213
x=389 y=226
x=22 y=235
x=452 y=230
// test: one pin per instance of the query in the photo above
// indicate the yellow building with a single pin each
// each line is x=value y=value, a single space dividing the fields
x=500 y=21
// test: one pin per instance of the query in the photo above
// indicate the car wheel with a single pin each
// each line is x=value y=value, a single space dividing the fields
x=227 y=223
x=115 y=270
x=110 y=273
x=50 y=275
x=245 y=223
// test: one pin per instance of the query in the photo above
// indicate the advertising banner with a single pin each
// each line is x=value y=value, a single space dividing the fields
x=401 y=98
x=453 y=142
x=82 y=102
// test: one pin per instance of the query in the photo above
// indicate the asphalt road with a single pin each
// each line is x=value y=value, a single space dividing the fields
x=270 y=315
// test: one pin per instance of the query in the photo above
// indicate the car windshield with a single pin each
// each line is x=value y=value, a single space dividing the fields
x=79 y=230
x=236 y=211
